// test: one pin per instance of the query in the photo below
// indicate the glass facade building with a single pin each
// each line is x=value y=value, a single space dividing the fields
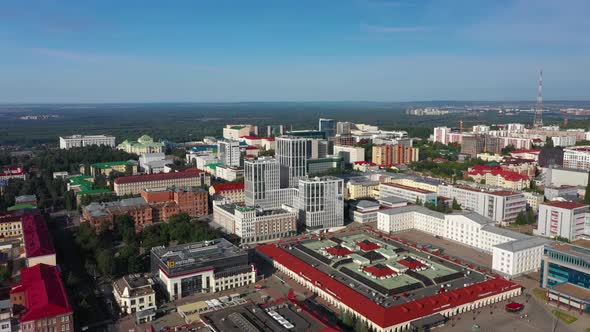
x=565 y=273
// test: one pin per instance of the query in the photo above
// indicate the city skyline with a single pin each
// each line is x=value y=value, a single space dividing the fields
x=365 y=50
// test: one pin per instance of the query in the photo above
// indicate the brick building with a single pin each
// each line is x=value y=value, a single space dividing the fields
x=42 y=294
x=135 y=184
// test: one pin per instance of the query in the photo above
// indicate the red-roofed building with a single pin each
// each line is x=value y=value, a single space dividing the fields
x=412 y=264
x=233 y=192
x=42 y=294
x=379 y=271
x=8 y=173
x=135 y=184
x=380 y=318
x=564 y=219
x=365 y=166
x=498 y=176
x=367 y=245
x=38 y=245
x=338 y=251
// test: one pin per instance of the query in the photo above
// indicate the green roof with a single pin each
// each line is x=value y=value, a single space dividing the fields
x=79 y=180
x=21 y=207
x=111 y=164
x=213 y=165
x=93 y=191
x=237 y=127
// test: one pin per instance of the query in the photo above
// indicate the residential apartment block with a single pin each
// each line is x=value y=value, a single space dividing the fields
x=320 y=201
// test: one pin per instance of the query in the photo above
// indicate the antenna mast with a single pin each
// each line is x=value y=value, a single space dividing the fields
x=538 y=122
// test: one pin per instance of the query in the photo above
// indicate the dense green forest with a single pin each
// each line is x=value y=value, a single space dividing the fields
x=187 y=122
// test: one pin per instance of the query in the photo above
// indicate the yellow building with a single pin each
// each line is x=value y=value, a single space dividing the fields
x=144 y=144
x=357 y=189
x=415 y=184
x=124 y=167
x=10 y=226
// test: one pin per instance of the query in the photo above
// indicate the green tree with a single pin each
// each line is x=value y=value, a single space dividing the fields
x=346 y=318
x=124 y=228
x=521 y=219
x=587 y=193
x=548 y=143
x=5 y=273
x=105 y=262
x=456 y=205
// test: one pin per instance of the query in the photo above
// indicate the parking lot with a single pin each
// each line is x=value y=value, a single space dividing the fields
x=450 y=248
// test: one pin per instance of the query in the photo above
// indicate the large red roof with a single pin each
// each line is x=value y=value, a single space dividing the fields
x=221 y=187
x=378 y=314
x=565 y=205
x=45 y=295
x=495 y=171
x=192 y=172
x=36 y=236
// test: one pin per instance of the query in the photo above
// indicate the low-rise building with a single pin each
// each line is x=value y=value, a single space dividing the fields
x=134 y=294
x=234 y=192
x=564 y=219
x=229 y=173
x=203 y=267
x=533 y=200
x=8 y=173
x=122 y=167
x=143 y=145
x=135 y=184
x=365 y=166
x=565 y=274
x=409 y=193
x=565 y=192
x=77 y=141
x=6 y=316
x=42 y=293
x=10 y=225
x=190 y=200
x=513 y=253
x=350 y=154
x=39 y=248
x=364 y=211
x=357 y=188
x=253 y=225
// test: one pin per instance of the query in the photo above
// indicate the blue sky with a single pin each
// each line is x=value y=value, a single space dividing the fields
x=300 y=50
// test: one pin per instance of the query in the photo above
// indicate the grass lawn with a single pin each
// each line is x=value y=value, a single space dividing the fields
x=541 y=294
x=568 y=319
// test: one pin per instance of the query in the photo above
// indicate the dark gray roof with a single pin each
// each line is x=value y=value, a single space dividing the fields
x=392 y=200
x=505 y=232
x=521 y=244
x=365 y=204
x=413 y=208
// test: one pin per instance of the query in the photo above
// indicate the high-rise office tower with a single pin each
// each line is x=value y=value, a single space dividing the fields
x=328 y=126
x=321 y=202
x=262 y=184
x=229 y=153
x=292 y=154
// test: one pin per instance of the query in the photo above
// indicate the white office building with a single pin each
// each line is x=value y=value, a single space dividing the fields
x=501 y=206
x=564 y=141
x=229 y=153
x=321 y=202
x=77 y=141
x=408 y=193
x=570 y=220
x=512 y=253
x=350 y=154
x=262 y=184
x=577 y=157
